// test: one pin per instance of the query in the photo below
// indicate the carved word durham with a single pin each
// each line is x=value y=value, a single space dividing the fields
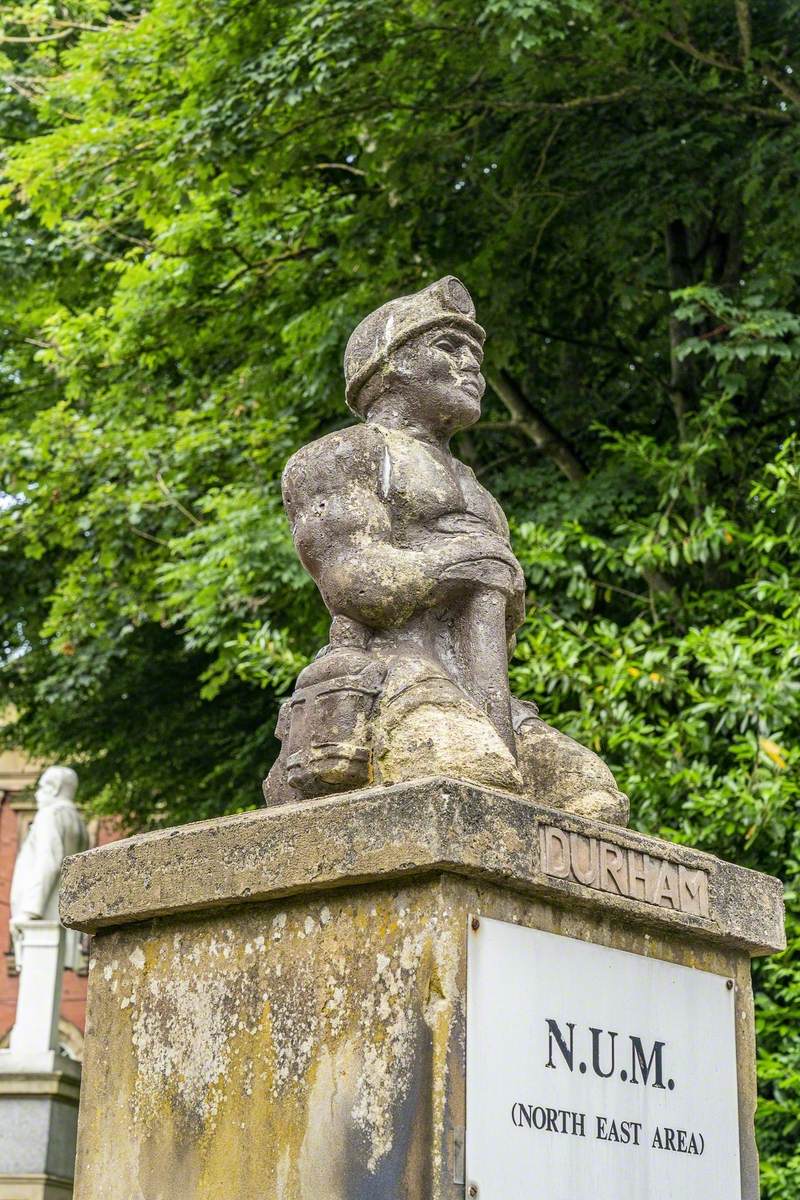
x=600 y=864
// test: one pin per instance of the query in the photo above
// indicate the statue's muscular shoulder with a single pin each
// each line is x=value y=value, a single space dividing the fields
x=328 y=465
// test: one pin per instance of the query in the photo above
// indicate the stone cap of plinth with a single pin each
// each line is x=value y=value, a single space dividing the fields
x=414 y=829
x=23 y=1084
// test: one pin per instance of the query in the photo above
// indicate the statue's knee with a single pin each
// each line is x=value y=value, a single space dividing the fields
x=561 y=773
x=435 y=739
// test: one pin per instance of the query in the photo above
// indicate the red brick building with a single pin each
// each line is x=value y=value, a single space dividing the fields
x=18 y=777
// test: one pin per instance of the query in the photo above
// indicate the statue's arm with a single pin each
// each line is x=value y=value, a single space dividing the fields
x=343 y=533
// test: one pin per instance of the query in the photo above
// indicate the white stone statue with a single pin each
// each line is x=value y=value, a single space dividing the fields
x=56 y=831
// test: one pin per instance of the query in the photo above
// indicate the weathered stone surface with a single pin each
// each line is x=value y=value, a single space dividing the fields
x=413 y=560
x=288 y=1050
x=313 y=1047
x=414 y=829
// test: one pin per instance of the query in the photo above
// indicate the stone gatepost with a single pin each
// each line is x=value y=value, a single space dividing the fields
x=416 y=993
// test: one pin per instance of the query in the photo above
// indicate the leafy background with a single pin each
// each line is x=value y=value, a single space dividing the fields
x=198 y=203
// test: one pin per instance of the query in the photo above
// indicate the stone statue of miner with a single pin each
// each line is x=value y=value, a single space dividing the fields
x=413 y=560
x=56 y=831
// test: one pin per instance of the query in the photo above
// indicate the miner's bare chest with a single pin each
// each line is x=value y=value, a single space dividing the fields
x=425 y=487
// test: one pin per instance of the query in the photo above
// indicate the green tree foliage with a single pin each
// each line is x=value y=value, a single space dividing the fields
x=202 y=199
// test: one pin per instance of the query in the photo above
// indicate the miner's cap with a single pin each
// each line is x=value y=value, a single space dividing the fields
x=446 y=302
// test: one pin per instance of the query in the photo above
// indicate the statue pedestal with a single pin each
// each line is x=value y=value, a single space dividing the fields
x=278 y=999
x=39 y=1086
x=34 y=1038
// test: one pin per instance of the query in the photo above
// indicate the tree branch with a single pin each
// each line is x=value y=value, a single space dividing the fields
x=782 y=84
x=776 y=78
x=743 y=21
x=265 y=267
x=173 y=499
x=703 y=56
x=336 y=166
x=536 y=427
x=565 y=105
x=34 y=38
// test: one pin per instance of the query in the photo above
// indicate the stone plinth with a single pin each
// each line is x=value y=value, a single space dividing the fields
x=277 y=999
x=38 y=1123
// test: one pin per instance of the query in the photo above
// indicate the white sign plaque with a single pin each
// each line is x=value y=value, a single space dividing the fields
x=595 y=1074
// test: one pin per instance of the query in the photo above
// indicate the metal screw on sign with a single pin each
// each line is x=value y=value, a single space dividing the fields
x=729 y=984
x=476 y=924
x=473 y=1189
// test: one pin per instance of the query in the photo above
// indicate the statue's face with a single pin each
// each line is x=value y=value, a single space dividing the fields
x=439 y=372
x=48 y=787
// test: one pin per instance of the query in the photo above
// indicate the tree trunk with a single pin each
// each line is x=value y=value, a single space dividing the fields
x=682 y=383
